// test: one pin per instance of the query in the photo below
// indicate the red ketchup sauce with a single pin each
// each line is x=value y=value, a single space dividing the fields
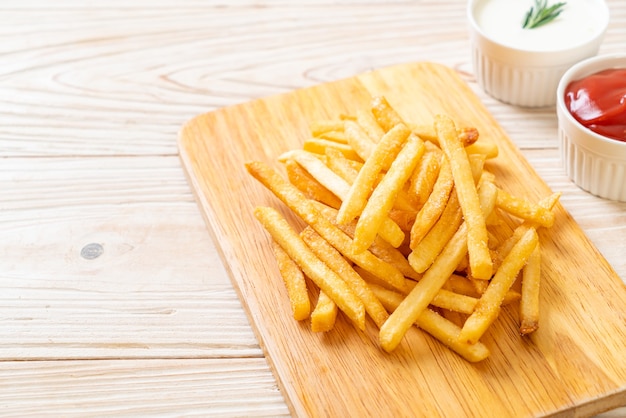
x=598 y=102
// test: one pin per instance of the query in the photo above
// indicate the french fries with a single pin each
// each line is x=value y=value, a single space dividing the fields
x=529 y=303
x=379 y=161
x=404 y=227
x=323 y=276
x=488 y=305
x=333 y=258
x=295 y=283
x=324 y=315
x=389 y=230
x=479 y=257
x=384 y=195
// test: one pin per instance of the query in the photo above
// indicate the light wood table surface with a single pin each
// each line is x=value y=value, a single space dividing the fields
x=113 y=298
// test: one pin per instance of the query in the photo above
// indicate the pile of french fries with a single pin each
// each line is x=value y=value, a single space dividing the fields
x=406 y=225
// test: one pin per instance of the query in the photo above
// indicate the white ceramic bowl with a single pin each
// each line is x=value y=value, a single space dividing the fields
x=523 y=66
x=594 y=162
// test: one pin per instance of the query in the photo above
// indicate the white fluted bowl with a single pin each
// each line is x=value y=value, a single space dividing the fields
x=528 y=75
x=593 y=162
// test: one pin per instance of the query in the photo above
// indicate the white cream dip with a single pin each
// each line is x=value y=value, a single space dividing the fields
x=501 y=21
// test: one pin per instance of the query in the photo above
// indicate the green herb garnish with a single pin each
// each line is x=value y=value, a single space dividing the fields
x=542 y=14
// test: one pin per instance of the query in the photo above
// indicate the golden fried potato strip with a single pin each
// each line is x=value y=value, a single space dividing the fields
x=442 y=329
x=359 y=139
x=529 y=303
x=389 y=230
x=424 y=177
x=324 y=314
x=434 y=206
x=393 y=330
x=425 y=252
x=368 y=123
x=295 y=283
x=524 y=209
x=479 y=257
x=333 y=258
x=381 y=201
x=488 y=306
x=380 y=160
x=308 y=185
x=467 y=135
x=386 y=116
x=322 y=275
x=306 y=210
x=319 y=146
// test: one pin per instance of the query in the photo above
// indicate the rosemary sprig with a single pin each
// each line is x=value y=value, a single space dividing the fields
x=542 y=14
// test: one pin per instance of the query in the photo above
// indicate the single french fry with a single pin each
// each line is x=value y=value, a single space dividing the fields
x=323 y=276
x=488 y=149
x=488 y=306
x=503 y=249
x=342 y=166
x=424 y=177
x=308 y=185
x=456 y=302
x=442 y=329
x=467 y=135
x=384 y=195
x=295 y=283
x=479 y=256
x=359 y=139
x=529 y=303
x=525 y=209
x=319 y=146
x=324 y=314
x=306 y=210
x=444 y=299
x=425 y=252
x=393 y=330
x=380 y=160
x=448 y=333
x=333 y=259
x=487 y=196
x=318 y=170
x=385 y=114
x=434 y=206
x=477 y=163
x=369 y=124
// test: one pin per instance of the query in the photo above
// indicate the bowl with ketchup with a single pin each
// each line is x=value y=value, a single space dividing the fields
x=591 y=112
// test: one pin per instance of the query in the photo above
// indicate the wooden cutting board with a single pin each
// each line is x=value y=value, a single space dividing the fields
x=574 y=365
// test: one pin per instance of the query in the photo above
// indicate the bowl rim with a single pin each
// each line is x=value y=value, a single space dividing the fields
x=581 y=69
x=598 y=35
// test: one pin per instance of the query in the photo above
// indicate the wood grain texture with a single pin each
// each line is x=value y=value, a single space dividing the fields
x=105 y=388
x=92 y=95
x=564 y=368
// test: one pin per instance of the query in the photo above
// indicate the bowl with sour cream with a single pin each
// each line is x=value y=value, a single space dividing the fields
x=591 y=113
x=523 y=65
